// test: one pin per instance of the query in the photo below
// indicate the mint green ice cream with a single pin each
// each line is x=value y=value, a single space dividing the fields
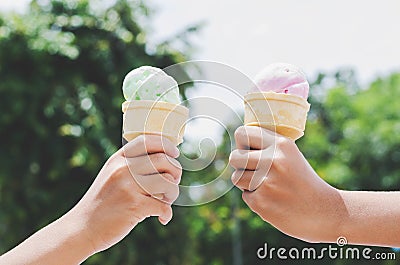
x=150 y=83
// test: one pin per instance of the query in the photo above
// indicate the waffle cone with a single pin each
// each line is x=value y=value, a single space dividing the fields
x=283 y=113
x=154 y=117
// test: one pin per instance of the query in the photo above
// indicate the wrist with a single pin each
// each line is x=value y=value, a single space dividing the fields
x=61 y=242
x=334 y=216
x=341 y=220
x=77 y=234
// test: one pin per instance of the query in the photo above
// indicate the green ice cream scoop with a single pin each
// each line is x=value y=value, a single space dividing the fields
x=150 y=83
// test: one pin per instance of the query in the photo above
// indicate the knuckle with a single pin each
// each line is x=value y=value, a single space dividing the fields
x=236 y=175
x=263 y=170
x=173 y=167
x=252 y=161
x=174 y=193
x=256 y=132
x=283 y=143
x=169 y=177
x=240 y=133
x=178 y=173
x=120 y=171
x=264 y=161
x=280 y=164
x=159 y=158
x=254 y=158
x=127 y=191
x=173 y=162
x=233 y=157
x=150 y=139
x=141 y=140
x=120 y=178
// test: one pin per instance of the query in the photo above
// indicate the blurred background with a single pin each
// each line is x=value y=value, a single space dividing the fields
x=61 y=68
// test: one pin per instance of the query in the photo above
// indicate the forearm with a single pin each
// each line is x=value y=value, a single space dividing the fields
x=371 y=218
x=61 y=242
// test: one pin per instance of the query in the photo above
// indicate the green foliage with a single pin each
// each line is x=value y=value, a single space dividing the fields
x=353 y=141
x=61 y=70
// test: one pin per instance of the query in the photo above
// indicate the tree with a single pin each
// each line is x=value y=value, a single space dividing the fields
x=352 y=139
x=61 y=71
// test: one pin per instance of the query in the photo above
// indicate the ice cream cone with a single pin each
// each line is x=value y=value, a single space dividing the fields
x=154 y=117
x=283 y=113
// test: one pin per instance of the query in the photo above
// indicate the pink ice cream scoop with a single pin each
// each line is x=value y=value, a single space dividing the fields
x=282 y=78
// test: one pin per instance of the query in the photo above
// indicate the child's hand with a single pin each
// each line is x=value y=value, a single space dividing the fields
x=288 y=193
x=124 y=191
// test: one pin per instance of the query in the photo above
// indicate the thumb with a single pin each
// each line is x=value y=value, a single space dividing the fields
x=166 y=214
x=161 y=209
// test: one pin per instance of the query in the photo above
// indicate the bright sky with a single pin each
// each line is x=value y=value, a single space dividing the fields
x=315 y=35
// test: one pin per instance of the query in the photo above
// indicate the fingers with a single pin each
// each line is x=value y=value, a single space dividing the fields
x=149 y=144
x=156 y=163
x=248 y=198
x=158 y=184
x=248 y=180
x=259 y=201
x=251 y=159
x=253 y=137
x=166 y=215
x=155 y=207
x=252 y=166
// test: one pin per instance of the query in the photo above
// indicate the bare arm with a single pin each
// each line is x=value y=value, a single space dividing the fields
x=294 y=199
x=121 y=196
x=371 y=218
x=64 y=241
